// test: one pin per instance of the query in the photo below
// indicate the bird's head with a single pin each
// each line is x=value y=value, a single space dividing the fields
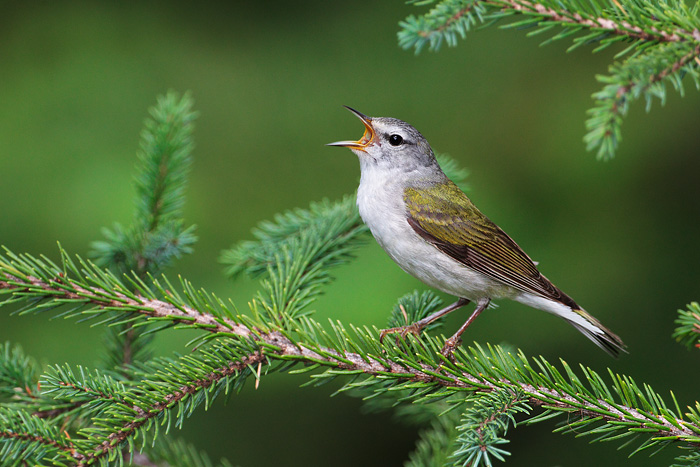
x=389 y=142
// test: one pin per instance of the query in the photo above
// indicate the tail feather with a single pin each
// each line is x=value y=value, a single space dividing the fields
x=597 y=333
x=579 y=318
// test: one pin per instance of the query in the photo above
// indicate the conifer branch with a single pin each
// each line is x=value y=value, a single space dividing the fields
x=29 y=440
x=18 y=375
x=604 y=21
x=688 y=330
x=664 y=45
x=410 y=362
x=86 y=402
x=158 y=234
x=148 y=408
x=123 y=411
x=66 y=291
x=435 y=444
x=484 y=426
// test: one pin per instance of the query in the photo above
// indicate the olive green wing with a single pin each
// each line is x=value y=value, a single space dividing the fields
x=444 y=216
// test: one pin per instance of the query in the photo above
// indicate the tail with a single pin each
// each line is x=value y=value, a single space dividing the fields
x=590 y=327
x=596 y=332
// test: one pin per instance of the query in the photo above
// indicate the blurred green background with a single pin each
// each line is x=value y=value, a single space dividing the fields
x=268 y=80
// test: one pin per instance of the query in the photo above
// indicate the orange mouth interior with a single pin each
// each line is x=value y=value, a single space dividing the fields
x=367 y=137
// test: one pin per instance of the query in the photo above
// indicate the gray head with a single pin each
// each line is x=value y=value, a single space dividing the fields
x=389 y=142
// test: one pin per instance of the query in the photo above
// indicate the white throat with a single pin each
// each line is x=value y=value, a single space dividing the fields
x=380 y=199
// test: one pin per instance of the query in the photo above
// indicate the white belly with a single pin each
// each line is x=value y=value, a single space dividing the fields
x=381 y=205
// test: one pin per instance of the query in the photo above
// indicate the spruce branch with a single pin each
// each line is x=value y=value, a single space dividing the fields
x=18 y=376
x=146 y=408
x=435 y=444
x=78 y=397
x=691 y=459
x=157 y=234
x=446 y=22
x=688 y=330
x=28 y=440
x=96 y=293
x=123 y=412
x=484 y=425
x=663 y=45
x=257 y=256
x=645 y=76
x=21 y=388
x=413 y=364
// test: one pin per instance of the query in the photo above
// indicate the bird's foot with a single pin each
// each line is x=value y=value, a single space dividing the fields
x=402 y=331
x=450 y=346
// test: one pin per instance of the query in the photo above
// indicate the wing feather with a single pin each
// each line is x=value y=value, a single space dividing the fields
x=448 y=219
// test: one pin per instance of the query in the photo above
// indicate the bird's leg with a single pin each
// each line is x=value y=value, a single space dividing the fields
x=453 y=342
x=417 y=327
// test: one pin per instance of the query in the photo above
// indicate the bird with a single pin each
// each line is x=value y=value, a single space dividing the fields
x=434 y=232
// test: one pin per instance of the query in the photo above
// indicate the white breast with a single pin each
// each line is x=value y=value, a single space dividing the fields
x=381 y=205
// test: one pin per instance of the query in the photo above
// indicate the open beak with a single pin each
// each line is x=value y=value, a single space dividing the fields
x=366 y=139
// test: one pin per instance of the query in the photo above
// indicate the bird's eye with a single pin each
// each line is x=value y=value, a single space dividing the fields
x=395 y=140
